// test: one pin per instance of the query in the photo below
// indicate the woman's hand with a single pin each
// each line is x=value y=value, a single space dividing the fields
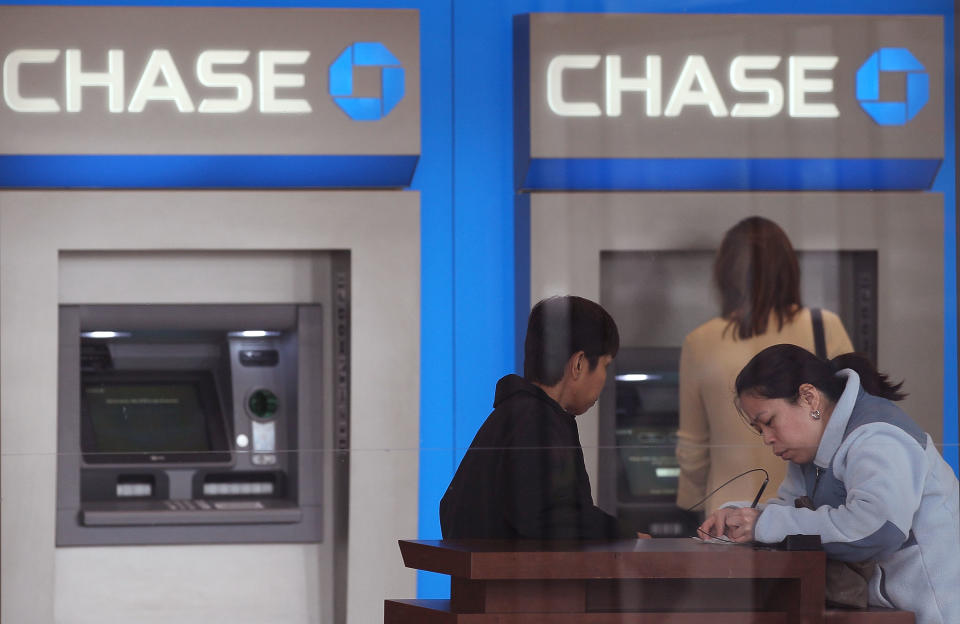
x=733 y=523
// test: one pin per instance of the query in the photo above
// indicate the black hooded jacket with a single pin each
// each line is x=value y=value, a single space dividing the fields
x=523 y=476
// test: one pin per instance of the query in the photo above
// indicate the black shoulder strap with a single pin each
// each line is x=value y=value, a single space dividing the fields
x=819 y=343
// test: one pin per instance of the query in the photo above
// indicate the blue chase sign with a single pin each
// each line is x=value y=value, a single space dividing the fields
x=728 y=102
x=203 y=96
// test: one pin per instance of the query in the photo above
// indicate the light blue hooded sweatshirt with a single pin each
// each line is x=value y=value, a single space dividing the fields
x=881 y=491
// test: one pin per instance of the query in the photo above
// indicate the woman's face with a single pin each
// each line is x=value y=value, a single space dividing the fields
x=788 y=428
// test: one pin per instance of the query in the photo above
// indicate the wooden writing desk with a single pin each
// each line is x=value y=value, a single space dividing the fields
x=680 y=581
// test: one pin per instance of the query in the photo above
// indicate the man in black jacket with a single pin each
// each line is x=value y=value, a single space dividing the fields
x=523 y=476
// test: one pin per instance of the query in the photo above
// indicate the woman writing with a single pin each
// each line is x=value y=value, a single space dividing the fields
x=758 y=277
x=861 y=475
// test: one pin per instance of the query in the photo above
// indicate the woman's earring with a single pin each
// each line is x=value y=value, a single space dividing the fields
x=815 y=414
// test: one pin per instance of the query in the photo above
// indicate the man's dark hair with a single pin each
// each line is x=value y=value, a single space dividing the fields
x=557 y=328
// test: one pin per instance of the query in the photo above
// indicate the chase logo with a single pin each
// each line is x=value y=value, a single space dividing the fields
x=868 y=86
x=392 y=76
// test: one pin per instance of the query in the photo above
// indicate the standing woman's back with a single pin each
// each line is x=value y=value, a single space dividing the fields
x=758 y=277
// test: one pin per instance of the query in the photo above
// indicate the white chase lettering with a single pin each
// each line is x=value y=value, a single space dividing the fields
x=618 y=84
x=240 y=83
x=695 y=86
x=112 y=80
x=148 y=89
x=271 y=79
x=743 y=83
x=11 y=81
x=696 y=70
x=800 y=85
x=555 y=85
x=160 y=81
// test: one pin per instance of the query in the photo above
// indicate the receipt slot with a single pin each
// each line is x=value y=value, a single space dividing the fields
x=199 y=423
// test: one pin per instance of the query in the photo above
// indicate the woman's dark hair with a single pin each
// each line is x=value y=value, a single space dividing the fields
x=557 y=328
x=777 y=372
x=756 y=271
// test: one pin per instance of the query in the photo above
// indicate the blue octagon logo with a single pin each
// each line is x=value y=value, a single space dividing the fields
x=366 y=54
x=868 y=86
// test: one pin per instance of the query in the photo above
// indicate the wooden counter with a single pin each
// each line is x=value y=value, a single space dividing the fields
x=680 y=581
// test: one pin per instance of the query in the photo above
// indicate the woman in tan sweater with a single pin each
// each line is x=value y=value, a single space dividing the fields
x=758 y=276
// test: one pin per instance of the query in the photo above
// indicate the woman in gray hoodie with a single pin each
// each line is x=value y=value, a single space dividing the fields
x=862 y=475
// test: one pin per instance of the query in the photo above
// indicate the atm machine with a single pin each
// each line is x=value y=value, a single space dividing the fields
x=222 y=423
x=202 y=423
x=215 y=423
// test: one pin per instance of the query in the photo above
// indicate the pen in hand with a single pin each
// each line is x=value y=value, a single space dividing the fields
x=756 y=499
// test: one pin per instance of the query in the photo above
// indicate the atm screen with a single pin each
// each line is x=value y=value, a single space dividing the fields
x=648 y=460
x=152 y=417
x=646 y=424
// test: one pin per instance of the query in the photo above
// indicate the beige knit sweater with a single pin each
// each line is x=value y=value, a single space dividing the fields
x=713 y=444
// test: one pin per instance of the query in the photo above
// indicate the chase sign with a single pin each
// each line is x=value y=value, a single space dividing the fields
x=771 y=102
x=210 y=81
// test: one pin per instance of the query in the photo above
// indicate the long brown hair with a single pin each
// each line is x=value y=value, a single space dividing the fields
x=756 y=271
